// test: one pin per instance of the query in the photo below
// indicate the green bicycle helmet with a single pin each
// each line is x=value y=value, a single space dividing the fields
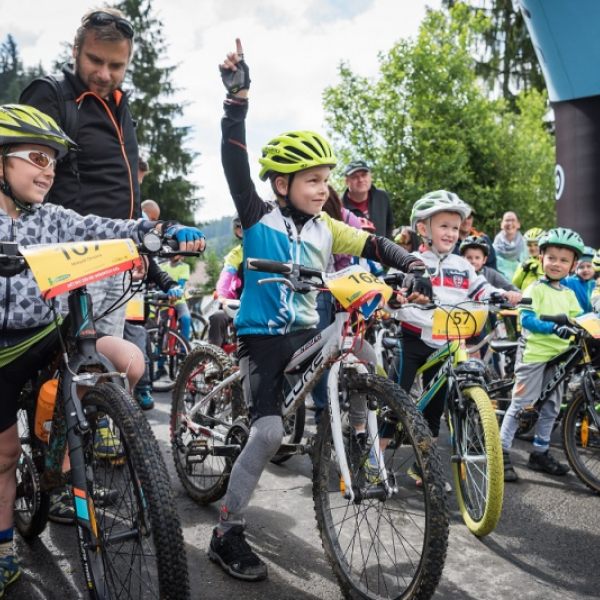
x=596 y=261
x=436 y=202
x=21 y=124
x=534 y=234
x=563 y=238
x=474 y=241
x=296 y=151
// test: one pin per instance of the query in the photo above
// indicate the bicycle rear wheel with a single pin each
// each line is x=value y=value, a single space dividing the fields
x=478 y=465
x=199 y=331
x=378 y=546
x=140 y=554
x=31 y=504
x=581 y=440
x=202 y=444
x=165 y=359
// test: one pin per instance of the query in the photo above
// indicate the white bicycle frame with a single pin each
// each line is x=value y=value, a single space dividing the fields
x=328 y=347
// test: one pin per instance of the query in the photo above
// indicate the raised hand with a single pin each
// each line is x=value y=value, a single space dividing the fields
x=235 y=73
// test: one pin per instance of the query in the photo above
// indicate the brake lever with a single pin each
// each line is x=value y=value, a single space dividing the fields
x=281 y=280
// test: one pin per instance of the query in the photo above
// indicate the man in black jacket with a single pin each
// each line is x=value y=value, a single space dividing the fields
x=365 y=200
x=87 y=102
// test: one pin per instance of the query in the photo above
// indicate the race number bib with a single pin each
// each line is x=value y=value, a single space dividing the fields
x=461 y=322
x=356 y=288
x=591 y=323
x=60 y=268
x=135 y=308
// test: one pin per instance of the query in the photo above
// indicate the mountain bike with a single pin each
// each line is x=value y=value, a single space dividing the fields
x=477 y=461
x=129 y=534
x=581 y=415
x=167 y=348
x=383 y=538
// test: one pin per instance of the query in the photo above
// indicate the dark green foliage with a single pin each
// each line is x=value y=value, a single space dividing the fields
x=219 y=241
x=13 y=75
x=506 y=59
x=152 y=105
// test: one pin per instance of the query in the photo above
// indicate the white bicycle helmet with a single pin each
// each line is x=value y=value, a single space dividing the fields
x=436 y=202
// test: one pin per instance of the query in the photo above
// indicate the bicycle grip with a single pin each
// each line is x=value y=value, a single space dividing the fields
x=526 y=301
x=561 y=319
x=268 y=266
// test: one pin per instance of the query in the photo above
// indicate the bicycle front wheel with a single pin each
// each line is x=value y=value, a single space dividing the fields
x=140 y=552
x=166 y=357
x=383 y=546
x=478 y=465
x=201 y=443
x=581 y=439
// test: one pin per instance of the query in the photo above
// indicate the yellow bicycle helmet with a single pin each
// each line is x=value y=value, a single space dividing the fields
x=534 y=234
x=296 y=151
x=20 y=124
x=24 y=124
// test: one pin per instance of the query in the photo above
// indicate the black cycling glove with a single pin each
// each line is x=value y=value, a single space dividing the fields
x=563 y=331
x=418 y=280
x=234 y=81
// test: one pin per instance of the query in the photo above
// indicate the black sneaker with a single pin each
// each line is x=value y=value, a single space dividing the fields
x=544 y=461
x=233 y=553
x=509 y=472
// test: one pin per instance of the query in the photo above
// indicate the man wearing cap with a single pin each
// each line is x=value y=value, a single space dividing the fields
x=465 y=230
x=364 y=200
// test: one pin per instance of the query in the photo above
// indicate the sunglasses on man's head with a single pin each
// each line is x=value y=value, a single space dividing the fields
x=532 y=244
x=40 y=159
x=104 y=19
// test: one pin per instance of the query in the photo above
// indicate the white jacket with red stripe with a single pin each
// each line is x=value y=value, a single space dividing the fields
x=453 y=280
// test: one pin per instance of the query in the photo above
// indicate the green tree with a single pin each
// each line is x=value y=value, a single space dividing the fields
x=426 y=123
x=506 y=59
x=213 y=270
x=161 y=141
x=13 y=76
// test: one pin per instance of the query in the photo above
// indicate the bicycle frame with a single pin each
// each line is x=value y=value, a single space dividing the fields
x=330 y=348
x=73 y=375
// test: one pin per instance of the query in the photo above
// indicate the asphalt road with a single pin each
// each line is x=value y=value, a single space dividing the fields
x=546 y=546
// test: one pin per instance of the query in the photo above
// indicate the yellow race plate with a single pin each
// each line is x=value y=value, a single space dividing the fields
x=453 y=323
x=135 y=308
x=60 y=268
x=591 y=323
x=356 y=288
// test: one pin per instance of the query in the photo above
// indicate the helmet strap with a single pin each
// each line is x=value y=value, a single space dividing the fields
x=429 y=240
x=7 y=190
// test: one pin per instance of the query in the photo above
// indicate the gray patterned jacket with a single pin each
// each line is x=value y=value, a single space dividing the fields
x=21 y=304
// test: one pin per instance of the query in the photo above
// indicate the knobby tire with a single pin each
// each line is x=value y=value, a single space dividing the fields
x=479 y=481
x=392 y=547
x=141 y=553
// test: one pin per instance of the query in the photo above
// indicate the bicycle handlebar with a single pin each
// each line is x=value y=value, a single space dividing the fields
x=297 y=277
x=561 y=319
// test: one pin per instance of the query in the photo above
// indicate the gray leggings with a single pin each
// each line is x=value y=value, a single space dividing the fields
x=265 y=438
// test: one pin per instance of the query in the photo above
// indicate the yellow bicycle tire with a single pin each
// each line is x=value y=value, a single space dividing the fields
x=486 y=522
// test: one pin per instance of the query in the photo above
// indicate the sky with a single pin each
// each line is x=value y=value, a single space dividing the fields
x=293 y=49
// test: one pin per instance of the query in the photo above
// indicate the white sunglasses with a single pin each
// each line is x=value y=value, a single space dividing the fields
x=40 y=159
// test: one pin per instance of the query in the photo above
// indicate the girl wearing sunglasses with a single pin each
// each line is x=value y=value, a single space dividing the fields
x=30 y=144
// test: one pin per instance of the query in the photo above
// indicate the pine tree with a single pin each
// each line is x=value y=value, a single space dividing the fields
x=506 y=58
x=161 y=142
x=13 y=77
